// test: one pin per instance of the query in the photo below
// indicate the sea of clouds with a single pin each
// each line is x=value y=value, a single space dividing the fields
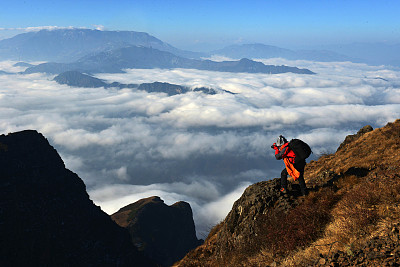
x=203 y=149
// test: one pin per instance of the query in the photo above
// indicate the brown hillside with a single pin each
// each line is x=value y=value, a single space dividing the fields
x=350 y=217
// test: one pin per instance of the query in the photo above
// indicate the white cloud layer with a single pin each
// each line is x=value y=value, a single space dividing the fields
x=204 y=149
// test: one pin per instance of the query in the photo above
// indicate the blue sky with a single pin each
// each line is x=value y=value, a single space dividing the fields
x=202 y=24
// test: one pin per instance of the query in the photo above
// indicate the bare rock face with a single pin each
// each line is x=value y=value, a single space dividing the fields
x=46 y=216
x=163 y=233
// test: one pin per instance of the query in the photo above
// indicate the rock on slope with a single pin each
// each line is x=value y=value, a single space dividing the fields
x=164 y=233
x=350 y=216
x=46 y=216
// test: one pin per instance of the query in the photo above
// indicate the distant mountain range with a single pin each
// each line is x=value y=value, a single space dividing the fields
x=94 y=51
x=371 y=53
x=140 y=57
x=76 y=46
x=69 y=45
x=75 y=78
x=268 y=51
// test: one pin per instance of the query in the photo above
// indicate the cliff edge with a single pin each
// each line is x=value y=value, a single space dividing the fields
x=46 y=216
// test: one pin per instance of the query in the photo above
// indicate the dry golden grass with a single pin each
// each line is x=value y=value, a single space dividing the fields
x=367 y=205
x=341 y=217
x=379 y=147
x=204 y=255
x=365 y=210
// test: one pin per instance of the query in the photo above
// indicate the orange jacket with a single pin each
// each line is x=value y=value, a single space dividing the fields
x=285 y=153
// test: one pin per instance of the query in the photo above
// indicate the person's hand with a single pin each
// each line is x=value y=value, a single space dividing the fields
x=273 y=146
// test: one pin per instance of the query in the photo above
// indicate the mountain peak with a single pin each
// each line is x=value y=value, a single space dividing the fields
x=163 y=233
x=68 y=45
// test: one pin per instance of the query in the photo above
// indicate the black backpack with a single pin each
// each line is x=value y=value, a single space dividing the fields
x=301 y=149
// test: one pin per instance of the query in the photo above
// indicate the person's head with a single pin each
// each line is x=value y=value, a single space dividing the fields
x=281 y=141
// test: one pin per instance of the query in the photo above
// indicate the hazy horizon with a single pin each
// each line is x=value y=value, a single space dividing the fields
x=209 y=25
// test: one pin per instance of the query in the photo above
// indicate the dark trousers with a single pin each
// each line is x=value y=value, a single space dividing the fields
x=300 y=167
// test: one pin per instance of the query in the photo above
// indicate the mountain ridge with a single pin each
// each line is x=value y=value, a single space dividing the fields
x=47 y=218
x=78 y=79
x=141 y=57
x=68 y=45
x=350 y=217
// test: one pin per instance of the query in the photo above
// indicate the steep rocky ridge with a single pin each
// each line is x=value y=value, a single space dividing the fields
x=350 y=216
x=164 y=233
x=46 y=216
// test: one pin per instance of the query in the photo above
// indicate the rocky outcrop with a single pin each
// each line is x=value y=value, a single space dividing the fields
x=238 y=232
x=163 y=233
x=46 y=216
x=258 y=199
x=351 y=138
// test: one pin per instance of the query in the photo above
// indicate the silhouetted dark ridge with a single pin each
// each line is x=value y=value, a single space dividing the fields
x=46 y=216
x=164 y=233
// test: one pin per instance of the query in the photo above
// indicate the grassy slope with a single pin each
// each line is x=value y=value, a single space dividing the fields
x=355 y=197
